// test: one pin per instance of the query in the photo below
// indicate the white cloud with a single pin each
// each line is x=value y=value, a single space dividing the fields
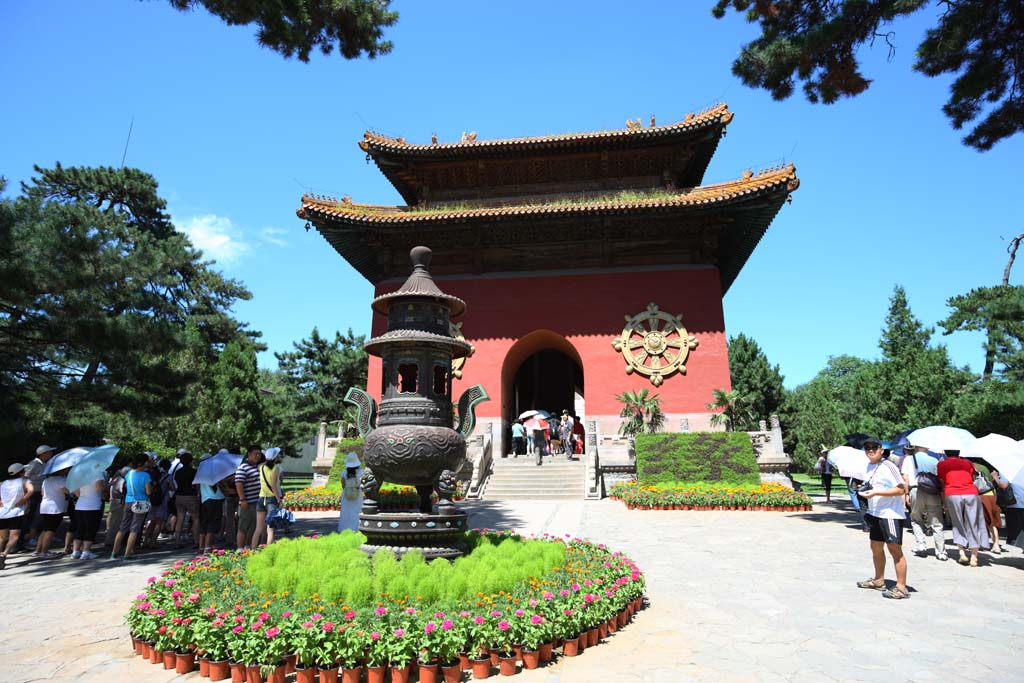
x=216 y=236
x=270 y=236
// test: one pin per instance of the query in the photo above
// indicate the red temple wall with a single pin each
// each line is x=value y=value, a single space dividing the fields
x=584 y=312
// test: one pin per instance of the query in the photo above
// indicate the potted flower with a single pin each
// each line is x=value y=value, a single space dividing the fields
x=535 y=633
x=399 y=648
x=307 y=641
x=448 y=644
x=211 y=637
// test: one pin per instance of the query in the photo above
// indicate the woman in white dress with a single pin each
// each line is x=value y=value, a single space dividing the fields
x=15 y=492
x=351 y=494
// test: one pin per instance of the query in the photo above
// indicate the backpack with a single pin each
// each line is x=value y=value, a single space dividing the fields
x=926 y=481
x=156 y=496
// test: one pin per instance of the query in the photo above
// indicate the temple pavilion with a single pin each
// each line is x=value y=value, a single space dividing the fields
x=592 y=263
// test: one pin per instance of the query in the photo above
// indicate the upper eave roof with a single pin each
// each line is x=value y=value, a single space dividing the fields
x=376 y=144
x=344 y=210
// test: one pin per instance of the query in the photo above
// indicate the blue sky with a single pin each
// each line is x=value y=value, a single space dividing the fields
x=235 y=134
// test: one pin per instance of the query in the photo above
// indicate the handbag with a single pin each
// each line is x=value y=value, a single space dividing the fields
x=927 y=481
x=139 y=507
x=981 y=483
x=1005 y=497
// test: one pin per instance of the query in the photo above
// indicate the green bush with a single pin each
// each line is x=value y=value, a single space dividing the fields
x=335 y=569
x=345 y=446
x=726 y=457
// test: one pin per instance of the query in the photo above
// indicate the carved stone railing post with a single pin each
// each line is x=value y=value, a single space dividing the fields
x=593 y=464
x=772 y=461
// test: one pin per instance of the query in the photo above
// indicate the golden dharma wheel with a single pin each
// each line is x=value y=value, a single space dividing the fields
x=455 y=330
x=655 y=344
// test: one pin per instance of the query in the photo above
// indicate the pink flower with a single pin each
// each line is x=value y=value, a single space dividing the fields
x=307 y=624
x=430 y=627
x=349 y=616
x=463 y=614
x=176 y=594
x=328 y=626
x=381 y=611
x=478 y=620
x=210 y=611
x=238 y=629
x=218 y=622
x=575 y=586
x=410 y=610
x=256 y=625
x=161 y=612
x=151 y=579
x=239 y=619
x=375 y=636
x=567 y=612
x=519 y=612
x=563 y=592
x=495 y=613
x=399 y=632
x=447 y=625
x=264 y=616
x=439 y=615
x=286 y=615
x=162 y=629
x=588 y=598
x=316 y=616
x=588 y=582
x=194 y=597
x=536 y=619
x=504 y=625
x=548 y=595
x=533 y=603
x=169 y=582
x=176 y=620
x=140 y=596
x=272 y=631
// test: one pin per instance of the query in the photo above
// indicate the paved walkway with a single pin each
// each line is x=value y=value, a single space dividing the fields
x=735 y=596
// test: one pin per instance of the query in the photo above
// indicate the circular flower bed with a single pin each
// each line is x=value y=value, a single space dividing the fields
x=766 y=497
x=392 y=497
x=212 y=609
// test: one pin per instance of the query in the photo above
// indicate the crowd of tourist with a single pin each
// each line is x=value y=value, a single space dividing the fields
x=148 y=500
x=539 y=438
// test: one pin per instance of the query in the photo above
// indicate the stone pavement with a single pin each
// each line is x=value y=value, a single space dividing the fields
x=734 y=596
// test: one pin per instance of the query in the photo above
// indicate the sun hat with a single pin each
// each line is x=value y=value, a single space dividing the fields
x=352 y=460
x=15 y=467
x=183 y=451
x=45 y=449
x=873 y=440
x=272 y=453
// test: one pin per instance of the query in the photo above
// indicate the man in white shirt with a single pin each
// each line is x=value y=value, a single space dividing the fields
x=884 y=492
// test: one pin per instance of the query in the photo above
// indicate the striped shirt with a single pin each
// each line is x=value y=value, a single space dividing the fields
x=249 y=477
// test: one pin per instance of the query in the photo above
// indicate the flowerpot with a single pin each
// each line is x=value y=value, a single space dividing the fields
x=400 y=674
x=147 y=648
x=155 y=655
x=611 y=626
x=592 y=635
x=237 y=672
x=602 y=631
x=571 y=647
x=622 y=618
x=452 y=674
x=328 y=675
x=531 y=659
x=219 y=670
x=289 y=663
x=464 y=664
x=185 y=663
x=349 y=674
x=494 y=657
x=204 y=667
x=581 y=644
x=507 y=665
x=278 y=674
x=482 y=667
x=518 y=651
x=170 y=658
x=253 y=674
x=137 y=645
x=375 y=674
x=430 y=673
x=305 y=674
x=545 y=652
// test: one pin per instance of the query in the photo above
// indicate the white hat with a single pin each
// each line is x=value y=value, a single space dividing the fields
x=183 y=451
x=45 y=449
x=352 y=460
x=152 y=455
x=272 y=453
x=124 y=470
x=15 y=467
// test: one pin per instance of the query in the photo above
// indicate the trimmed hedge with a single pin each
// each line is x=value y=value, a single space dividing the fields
x=690 y=457
x=338 y=466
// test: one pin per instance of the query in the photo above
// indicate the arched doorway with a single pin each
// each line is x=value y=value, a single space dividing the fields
x=542 y=371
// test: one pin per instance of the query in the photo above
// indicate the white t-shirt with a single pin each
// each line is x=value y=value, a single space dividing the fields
x=909 y=469
x=884 y=475
x=10 y=491
x=54 y=501
x=89 y=498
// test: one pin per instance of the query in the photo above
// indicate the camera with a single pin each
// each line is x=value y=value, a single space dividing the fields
x=864 y=488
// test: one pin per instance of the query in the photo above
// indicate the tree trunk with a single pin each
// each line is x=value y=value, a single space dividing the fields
x=990 y=352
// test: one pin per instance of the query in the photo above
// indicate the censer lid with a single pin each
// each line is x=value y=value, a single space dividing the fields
x=420 y=285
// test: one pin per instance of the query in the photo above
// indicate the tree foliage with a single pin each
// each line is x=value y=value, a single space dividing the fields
x=753 y=377
x=641 y=413
x=298 y=27
x=97 y=290
x=980 y=42
x=734 y=410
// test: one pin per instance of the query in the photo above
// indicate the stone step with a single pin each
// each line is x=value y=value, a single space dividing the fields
x=565 y=495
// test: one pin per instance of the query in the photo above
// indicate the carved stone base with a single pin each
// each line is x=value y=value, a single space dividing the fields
x=434 y=535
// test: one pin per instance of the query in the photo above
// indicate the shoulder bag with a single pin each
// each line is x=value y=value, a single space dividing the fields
x=981 y=483
x=139 y=507
x=1005 y=497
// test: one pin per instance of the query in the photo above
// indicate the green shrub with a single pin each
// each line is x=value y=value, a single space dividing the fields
x=345 y=446
x=726 y=457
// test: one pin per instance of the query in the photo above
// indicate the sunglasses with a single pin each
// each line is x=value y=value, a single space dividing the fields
x=872 y=449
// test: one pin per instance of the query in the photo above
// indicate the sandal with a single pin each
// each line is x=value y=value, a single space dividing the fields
x=871 y=585
x=896 y=593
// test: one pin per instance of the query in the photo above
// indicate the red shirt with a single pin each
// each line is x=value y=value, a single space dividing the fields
x=957 y=477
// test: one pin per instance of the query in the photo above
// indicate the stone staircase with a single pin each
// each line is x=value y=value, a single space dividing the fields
x=520 y=479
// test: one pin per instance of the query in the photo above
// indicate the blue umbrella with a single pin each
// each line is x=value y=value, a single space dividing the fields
x=65 y=459
x=90 y=468
x=217 y=467
x=899 y=442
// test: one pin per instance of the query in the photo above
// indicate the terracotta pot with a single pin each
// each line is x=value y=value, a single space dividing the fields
x=305 y=674
x=592 y=636
x=602 y=631
x=329 y=675
x=545 y=652
x=611 y=626
x=507 y=665
x=219 y=670
x=622 y=618
x=278 y=674
x=581 y=645
x=518 y=651
x=571 y=647
x=137 y=645
x=185 y=663
x=349 y=675
x=289 y=663
x=430 y=673
x=452 y=674
x=147 y=648
x=399 y=674
x=375 y=674
x=482 y=667
x=237 y=672
x=494 y=657
x=253 y=674
x=464 y=664
x=169 y=659
x=531 y=659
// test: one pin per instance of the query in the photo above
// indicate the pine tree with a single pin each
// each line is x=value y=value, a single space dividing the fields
x=752 y=376
x=321 y=371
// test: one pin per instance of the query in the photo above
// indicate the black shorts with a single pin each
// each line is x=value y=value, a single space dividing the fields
x=211 y=514
x=50 y=522
x=11 y=523
x=884 y=529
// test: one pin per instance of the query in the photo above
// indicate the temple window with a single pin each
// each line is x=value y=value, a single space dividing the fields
x=440 y=380
x=408 y=376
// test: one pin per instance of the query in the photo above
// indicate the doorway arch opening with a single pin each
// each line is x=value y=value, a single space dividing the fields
x=542 y=371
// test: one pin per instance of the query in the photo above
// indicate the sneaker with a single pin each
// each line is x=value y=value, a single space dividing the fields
x=942 y=558
x=88 y=555
x=920 y=549
x=77 y=555
x=127 y=558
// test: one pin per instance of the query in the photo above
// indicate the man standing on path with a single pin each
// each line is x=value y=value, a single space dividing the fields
x=884 y=491
x=247 y=484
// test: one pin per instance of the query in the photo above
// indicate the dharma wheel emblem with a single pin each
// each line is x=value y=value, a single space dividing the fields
x=455 y=330
x=655 y=344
